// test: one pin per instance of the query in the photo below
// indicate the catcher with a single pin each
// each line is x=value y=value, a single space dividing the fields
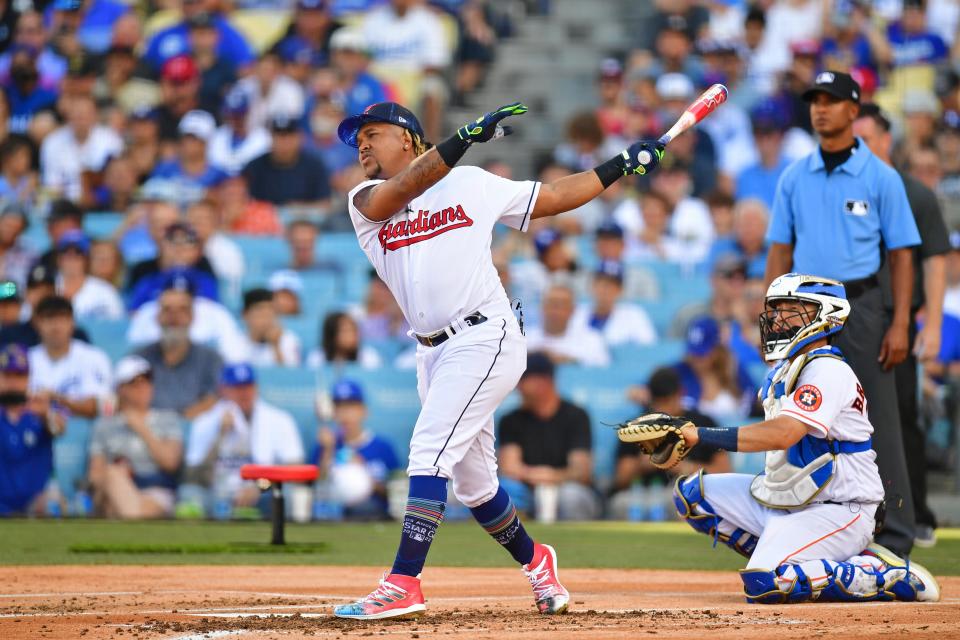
x=806 y=523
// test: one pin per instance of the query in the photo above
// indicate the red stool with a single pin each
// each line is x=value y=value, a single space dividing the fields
x=276 y=475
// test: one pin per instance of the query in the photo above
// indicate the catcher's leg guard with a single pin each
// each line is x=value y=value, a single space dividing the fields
x=878 y=575
x=788 y=583
x=692 y=506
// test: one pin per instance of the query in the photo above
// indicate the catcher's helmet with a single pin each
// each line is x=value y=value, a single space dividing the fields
x=826 y=310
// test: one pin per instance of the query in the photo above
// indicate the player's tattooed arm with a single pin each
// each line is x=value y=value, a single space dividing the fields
x=382 y=201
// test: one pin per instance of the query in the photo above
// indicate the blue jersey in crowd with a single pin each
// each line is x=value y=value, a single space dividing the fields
x=920 y=48
x=378 y=457
x=692 y=389
x=175 y=41
x=150 y=287
x=26 y=460
x=760 y=182
x=837 y=221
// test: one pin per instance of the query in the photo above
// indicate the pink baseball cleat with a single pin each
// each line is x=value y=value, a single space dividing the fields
x=398 y=596
x=544 y=577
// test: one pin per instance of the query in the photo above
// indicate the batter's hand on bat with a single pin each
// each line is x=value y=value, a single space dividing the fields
x=642 y=157
x=488 y=127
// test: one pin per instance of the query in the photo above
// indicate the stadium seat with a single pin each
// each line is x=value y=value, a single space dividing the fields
x=109 y=335
x=70 y=457
x=102 y=225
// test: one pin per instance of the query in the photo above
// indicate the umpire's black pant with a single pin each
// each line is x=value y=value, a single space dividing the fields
x=914 y=437
x=860 y=342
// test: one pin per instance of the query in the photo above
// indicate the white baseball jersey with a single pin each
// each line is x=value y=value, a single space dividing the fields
x=84 y=372
x=828 y=398
x=435 y=255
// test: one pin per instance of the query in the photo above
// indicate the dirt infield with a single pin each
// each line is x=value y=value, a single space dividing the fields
x=198 y=602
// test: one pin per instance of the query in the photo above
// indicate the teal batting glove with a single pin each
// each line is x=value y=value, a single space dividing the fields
x=487 y=127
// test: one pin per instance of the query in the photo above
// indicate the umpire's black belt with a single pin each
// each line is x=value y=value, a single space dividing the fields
x=438 y=338
x=856 y=288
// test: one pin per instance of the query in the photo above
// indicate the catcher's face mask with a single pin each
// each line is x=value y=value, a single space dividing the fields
x=800 y=309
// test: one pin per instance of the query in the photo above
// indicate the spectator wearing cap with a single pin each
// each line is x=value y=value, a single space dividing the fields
x=28 y=425
x=760 y=179
x=287 y=287
x=929 y=285
x=341 y=344
x=268 y=342
x=713 y=381
x=612 y=112
x=350 y=60
x=180 y=253
x=19 y=303
x=73 y=375
x=271 y=92
x=673 y=43
x=209 y=323
x=695 y=154
x=175 y=40
x=857 y=219
x=555 y=264
x=312 y=29
x=288 y=174
x=18 y=180
x=619 y=322
x=749 y=243
x=561 y=339
x=234 y=144
x=179 y=94
x=72 y=156
x=664 y=392
x=356 y=462
x=184 y=372
x=135 y=454
x=30 y=35
x=15 y=257
x=191 y=173
x=911 y=39
x=92 y=298
x=240 y=428
x=25 y=96
x=217 y=74
x=547 y=442
x=223 y=254
x=408 y=44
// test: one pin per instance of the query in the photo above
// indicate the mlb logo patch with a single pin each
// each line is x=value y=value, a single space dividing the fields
x=856 y=207
x=808 y=397
x=826 y=78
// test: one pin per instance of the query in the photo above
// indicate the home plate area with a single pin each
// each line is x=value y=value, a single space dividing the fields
x=200 y=602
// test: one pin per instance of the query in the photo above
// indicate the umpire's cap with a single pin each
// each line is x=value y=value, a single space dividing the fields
x=389 y=112
x=835 y=83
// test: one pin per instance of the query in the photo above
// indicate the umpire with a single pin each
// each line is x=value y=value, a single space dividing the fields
x=833 y=213
x=929 y=284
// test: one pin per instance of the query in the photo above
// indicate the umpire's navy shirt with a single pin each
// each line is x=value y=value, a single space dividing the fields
x=836 y=222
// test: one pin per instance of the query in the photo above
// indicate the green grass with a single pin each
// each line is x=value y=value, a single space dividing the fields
x=594 y=544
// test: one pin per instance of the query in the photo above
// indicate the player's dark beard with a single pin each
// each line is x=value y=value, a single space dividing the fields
x=12 y=398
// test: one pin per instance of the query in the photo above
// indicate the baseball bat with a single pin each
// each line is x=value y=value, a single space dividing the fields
x=699 y=109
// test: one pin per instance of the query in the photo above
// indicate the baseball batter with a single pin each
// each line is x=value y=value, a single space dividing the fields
x=426 y=226
x=806 y=523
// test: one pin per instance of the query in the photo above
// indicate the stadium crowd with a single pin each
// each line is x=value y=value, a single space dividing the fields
x=173 y=228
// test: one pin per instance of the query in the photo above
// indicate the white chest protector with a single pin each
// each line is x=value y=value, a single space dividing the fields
x=793 y=477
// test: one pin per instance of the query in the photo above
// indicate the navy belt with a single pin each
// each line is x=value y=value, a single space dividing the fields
x=438 y=338
x=856 y=288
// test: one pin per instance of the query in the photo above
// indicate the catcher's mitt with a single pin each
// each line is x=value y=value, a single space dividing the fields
x=659 y=436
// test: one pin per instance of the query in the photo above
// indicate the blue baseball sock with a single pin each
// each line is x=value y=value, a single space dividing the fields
x=499 y=518
x=425 y=504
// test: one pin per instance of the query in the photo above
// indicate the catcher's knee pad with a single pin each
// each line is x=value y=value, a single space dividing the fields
x=692 y=506
x=761 y=586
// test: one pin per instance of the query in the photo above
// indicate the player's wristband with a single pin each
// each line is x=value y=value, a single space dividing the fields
x=452 y=149
x=610 y=171
x=718 y=437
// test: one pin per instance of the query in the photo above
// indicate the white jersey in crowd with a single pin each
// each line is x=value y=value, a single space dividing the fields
x=269 y=437
x=582 y=344
x=415 y=41
x=63 y=158
x=828 y=398
x=97 y=299
x=628 y=323
x=213 y=326
x=232 y=155
x=263 y=354
x=445 y=270
x=84 y=372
